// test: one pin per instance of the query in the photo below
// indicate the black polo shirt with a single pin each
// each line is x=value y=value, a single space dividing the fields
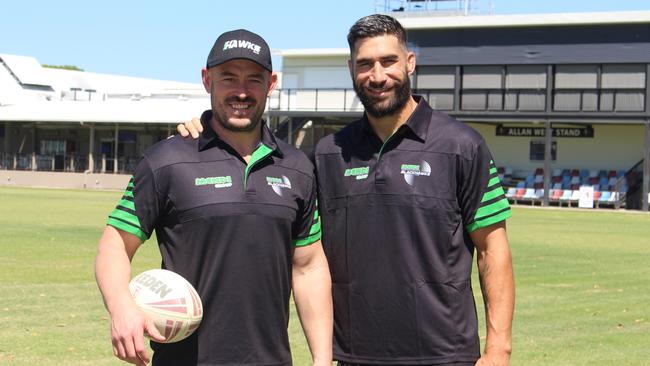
x=396 y=218
x=229 y=228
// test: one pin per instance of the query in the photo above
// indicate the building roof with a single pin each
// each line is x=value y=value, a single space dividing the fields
x=424 y=20
x=113 y=111
x=26 y=69
x=313 y=52
x=30 y=92
x=413 y=20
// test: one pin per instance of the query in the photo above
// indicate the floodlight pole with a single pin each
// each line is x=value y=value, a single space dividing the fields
x=115 y=157
x=547 y=160
x=548 y=107
x=646 y=151
x=91 y=149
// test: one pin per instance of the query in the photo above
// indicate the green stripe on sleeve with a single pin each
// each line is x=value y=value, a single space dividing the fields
x=125 y=216
x=493 y=170
x=128 y=204
x=121 y=225
x=125 y=220
x=491 y=209
x=315 y=228
x=489 y=220
x=308 y=240
x=498 y=191
x=494 y=181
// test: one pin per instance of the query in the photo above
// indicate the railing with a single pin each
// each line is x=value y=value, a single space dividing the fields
x=67 y=163
x=326 y=99
x=600 y=100
x=634 y=179
x=474 y=100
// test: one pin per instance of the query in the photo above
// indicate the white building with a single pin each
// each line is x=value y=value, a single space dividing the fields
x=64 y=120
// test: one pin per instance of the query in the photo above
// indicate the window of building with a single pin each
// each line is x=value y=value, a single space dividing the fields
x=441 y=100
x=576 y=88
x=525 y=87
x=436 y=84
x=482 y=88
x=623 y=87
x=510 y=87
x=52 y=147
x=608 y=87
x=538 y=148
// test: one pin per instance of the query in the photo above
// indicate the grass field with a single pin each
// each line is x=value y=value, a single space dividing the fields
x=583 y=283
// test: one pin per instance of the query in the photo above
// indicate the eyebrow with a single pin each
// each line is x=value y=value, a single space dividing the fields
x=254 y=75
x=384 y=58
x=226 y=73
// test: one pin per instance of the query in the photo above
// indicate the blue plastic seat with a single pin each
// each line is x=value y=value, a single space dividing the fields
x=605 y=196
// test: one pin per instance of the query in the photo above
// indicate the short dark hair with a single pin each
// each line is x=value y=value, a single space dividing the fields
x=373 y=26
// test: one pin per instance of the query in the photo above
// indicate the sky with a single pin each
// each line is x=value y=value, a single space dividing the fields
x=170 y=40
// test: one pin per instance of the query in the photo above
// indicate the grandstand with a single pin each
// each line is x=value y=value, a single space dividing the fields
x=609 y=187
x=561 y=99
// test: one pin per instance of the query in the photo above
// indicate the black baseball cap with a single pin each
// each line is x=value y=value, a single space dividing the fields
x=240 y=44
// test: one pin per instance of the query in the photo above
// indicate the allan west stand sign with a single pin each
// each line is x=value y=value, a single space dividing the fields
x=586 y=131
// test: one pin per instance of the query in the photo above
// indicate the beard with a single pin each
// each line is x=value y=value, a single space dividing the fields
x=395 y=103
x=222 y=118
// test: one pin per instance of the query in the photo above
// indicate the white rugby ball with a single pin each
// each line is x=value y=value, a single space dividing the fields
x=170 y=301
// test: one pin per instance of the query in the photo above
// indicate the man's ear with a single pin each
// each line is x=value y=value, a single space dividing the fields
x=410 y=62
x=272 y=83
x=351 y=69
x=207 y=80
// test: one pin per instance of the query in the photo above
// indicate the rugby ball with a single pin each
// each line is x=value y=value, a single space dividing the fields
x=170 y=301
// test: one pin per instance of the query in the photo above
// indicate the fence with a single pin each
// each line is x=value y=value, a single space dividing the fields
x=67 y=163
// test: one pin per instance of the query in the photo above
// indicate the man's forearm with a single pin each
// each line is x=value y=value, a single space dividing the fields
x=497 y=285
x=313 y=296
x=112 y=269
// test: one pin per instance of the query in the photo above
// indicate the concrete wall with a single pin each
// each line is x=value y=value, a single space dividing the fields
x=63 y=180
x=299 y=62
x=317 y=72
x=623 y=43
x=613 y=147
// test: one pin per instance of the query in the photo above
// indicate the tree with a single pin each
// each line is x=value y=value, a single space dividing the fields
x=64 y=67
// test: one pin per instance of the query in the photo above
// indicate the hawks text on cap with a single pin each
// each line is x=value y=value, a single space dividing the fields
x=240 y=44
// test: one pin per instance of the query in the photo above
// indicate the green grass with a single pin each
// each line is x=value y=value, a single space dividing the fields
x=583 y=283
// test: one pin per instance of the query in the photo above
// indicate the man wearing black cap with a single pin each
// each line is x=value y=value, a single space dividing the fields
x=235 y=213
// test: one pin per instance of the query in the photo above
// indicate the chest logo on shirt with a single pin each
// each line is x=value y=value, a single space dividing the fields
x=410 y=171
x=224 y=181
x=278 y=184
x=357 y=173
